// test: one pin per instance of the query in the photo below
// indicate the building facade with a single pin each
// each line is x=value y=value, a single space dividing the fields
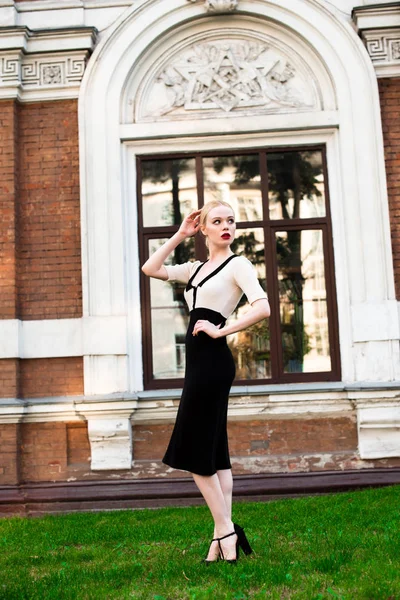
x=118 y=117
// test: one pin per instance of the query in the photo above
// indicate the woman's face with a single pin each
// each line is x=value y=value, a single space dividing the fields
x=220 y=226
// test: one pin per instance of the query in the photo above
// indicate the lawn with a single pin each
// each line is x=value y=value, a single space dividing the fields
x=342 y=546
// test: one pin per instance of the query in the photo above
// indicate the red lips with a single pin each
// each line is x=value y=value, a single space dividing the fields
x=225 y=236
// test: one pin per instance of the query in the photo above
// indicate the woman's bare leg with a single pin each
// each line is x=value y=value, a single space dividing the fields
x=211 y=490
x=226 y=483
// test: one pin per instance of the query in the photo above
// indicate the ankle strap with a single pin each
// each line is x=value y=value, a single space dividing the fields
x=225 y=536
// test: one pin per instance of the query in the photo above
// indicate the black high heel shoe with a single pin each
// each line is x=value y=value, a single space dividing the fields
x=242 y=539
x=241 y=542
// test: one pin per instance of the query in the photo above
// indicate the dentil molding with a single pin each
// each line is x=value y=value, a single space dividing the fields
x=43 y=64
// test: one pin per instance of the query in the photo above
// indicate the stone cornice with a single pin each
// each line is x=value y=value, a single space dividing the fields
x=377 y=15
x=379 y=27
x=43 y=64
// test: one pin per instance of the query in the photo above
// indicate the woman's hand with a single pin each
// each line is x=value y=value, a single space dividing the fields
x=208 y=328
x=190 y=224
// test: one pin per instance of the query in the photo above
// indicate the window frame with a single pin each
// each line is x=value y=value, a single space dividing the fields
x=270 y=227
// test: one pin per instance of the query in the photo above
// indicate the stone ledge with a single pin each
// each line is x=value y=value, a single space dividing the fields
x=44 y=498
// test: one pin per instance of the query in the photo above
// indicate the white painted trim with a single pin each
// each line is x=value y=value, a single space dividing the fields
x=51 y=338
x=53 y=14
x=293 y=122
x=378 y=15
x=379 y=431
x=68 y=4
x=252 y=402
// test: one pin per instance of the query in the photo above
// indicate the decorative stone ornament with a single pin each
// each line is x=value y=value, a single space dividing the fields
x=219 y=6
x=232 y=75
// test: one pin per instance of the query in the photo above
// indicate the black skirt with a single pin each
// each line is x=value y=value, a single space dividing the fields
x=199 y=441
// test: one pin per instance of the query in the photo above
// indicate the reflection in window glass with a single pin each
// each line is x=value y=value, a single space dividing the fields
x=235 y=179
x=169 y=315
x=296 y=185
x=303 y=308
x=251 y=347
x=169 y=191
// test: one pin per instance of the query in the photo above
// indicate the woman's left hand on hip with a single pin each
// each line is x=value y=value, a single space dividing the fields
x=208 y=328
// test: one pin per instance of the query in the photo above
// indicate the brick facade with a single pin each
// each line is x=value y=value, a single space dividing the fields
x=9 y=378
x=58 y=451
x=9 y=453
x=40 y=252
x=49 y=251
x=45 y=377
x=389 y=89
x=8 y=209
x=40 y=255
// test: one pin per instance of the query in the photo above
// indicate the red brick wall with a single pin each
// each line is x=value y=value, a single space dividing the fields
x=44 y=451
x=9 y=378
x=389 y=89
x=78 y=446
x=257 y=438
x=58 y=451
x=49 y=245
x=9 y=455
x=8 y=216
x=41 y=377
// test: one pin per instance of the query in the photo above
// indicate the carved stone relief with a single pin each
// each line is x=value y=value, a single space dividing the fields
x=229 y=76
x=42 y=72
x=218 y=6
x=35 y=72
x=384 y=48
x=9 y=69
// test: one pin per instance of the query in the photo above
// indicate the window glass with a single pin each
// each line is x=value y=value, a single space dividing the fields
x=235 y=179
x=169 y=315
x=169 y=191
x=251 y=347
x=296 y=185
x=303 y=307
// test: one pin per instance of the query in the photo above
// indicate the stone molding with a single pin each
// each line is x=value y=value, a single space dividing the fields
x=43 y=64
x=379 y=28
x=377 y=409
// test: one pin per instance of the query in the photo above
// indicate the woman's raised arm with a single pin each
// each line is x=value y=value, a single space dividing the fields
x=154 y=265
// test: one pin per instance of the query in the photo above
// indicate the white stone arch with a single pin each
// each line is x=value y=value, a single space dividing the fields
x=349 y=124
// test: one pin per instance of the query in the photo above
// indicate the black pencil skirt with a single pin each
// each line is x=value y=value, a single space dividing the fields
x=199 y=441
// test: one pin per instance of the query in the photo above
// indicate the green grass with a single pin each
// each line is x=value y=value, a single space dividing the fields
x=342 y=546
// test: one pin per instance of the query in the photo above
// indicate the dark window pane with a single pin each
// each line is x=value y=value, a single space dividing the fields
x=303 y=308
x=296 y=185
x=235 y=179
x=251 y=347
x=169 y=316
x=169 y=191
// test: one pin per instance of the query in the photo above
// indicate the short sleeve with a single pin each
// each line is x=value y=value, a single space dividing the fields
x=179 y=272
x=246 y=278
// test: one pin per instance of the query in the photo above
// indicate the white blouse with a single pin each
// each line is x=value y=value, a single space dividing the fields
x=221 y=292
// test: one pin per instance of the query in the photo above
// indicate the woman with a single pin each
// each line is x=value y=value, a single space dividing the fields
x=199 y=442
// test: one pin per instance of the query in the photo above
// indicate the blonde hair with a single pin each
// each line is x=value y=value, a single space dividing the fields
x=206 y=209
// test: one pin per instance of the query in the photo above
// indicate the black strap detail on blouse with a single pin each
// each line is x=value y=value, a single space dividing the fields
x=217 y=270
